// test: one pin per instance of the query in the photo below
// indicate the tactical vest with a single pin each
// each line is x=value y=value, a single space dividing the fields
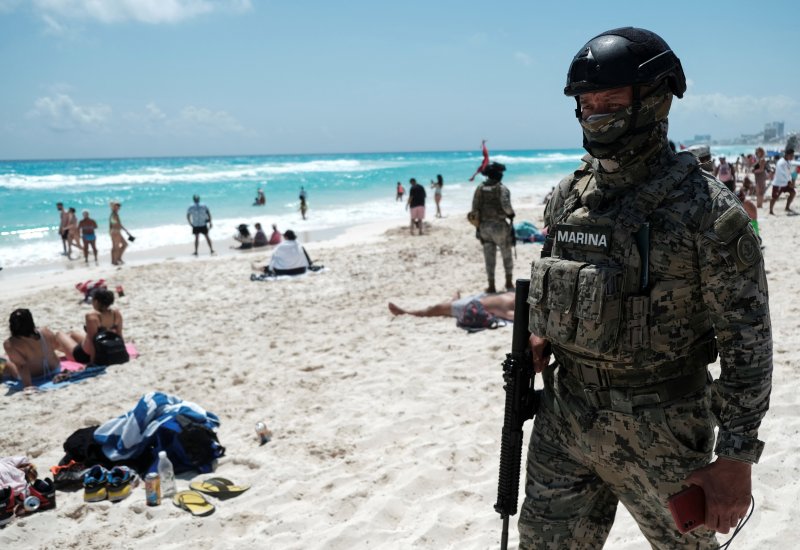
x=594 y=296
x=491 y=205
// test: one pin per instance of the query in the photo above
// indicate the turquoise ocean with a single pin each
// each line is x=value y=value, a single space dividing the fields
x=342 y=189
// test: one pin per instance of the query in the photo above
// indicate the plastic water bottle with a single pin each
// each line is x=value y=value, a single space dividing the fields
x=167 y=474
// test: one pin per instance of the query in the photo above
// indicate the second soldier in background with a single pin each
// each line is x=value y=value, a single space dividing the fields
x=491 y=205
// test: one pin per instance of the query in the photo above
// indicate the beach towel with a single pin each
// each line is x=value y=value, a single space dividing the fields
x=474 y=318
x=264 y=277
x=47 y=384
x=527 y=232
x=131 y=434
x=89 y=288
x=78 y=372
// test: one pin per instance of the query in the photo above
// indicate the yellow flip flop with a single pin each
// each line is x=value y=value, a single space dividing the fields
x=219 y=487
x=193 y=502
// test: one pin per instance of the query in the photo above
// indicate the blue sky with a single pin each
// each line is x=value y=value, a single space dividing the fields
x=92 y=78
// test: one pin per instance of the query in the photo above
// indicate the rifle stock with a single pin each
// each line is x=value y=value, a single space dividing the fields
x=521 y=404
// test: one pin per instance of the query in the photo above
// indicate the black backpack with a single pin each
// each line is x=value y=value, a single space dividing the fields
x=109 y=349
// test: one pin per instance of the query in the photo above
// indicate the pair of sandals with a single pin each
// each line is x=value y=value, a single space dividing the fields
x=196 y=504
x=113 y=485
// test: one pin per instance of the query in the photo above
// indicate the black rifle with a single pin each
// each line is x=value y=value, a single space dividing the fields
x=513 y=236
x=522 y=402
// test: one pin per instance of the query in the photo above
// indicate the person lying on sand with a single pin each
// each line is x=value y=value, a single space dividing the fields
x=31 y=351
x=499 y=305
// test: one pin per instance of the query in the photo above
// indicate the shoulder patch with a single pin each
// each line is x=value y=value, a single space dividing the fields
x=747 y=249
x=730 y=224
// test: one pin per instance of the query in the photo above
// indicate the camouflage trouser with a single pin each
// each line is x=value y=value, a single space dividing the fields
x=582 y=462
x=496 y=234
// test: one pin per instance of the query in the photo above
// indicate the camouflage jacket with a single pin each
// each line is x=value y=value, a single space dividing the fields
x=492 y=202
x=701 y=247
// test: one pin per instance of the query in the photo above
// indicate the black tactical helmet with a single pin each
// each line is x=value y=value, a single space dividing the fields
x=623 y=57
x=494 y=171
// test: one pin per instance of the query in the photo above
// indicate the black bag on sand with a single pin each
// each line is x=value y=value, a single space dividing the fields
x=109 y=349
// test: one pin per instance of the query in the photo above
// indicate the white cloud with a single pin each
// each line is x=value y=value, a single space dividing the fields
x=8 y=5
x=735 y=107
x=728 y=116
x=478 y=39
x=191 y=120
x=523 y=58
x=51 y=26
x=142 y=11
x=154 y=114
x=201 y=119
x=62 y=114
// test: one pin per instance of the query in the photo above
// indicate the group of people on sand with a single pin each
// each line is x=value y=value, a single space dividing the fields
x=416 y=200
x=82 y=234
x=258 y=239
x=492 y=215
x=780 y=175
x=34 y=353
x=199 y=218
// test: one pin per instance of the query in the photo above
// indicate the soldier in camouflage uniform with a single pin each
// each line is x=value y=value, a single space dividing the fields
x=650 y=265
x=491 y=203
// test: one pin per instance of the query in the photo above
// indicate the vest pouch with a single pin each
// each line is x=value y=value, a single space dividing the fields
x=562 y=284
x=598 y=308
x=537 y=317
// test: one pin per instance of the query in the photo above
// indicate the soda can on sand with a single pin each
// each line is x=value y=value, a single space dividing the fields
x=152 y=489
x=263 y=433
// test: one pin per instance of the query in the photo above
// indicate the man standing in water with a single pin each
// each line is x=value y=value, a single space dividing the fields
x=650 y=268
x=199 y=218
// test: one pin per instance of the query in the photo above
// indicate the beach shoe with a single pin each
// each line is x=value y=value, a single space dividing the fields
x=193 y=502
x=45 y=491
x=94 y=484
x=119 y=482
x=70 y=473
x=219 y=487
x=7 y=502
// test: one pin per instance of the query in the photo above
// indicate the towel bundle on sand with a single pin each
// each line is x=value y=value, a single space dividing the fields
x=127 y=435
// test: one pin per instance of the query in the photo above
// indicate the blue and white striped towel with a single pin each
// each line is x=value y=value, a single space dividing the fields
x=127 y=436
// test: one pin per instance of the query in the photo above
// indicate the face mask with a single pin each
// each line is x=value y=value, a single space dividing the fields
x=604 y=129
x=608 y=135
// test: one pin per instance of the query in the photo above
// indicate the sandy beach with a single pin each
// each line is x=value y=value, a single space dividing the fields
x=386 y=430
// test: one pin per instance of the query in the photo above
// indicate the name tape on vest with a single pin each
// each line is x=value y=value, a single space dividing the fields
x=584 y=237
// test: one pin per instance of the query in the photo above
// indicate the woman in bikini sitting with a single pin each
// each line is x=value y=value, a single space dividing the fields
x=78 y=346
x=31 y=351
